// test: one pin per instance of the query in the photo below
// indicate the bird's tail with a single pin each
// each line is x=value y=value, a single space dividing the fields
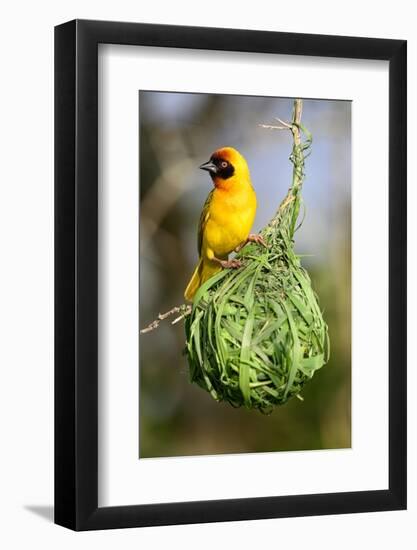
x=202 y=272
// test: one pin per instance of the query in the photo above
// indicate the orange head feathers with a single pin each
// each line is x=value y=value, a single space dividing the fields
x=226 y=165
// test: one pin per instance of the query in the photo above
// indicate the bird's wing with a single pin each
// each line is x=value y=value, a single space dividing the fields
x=205 y=214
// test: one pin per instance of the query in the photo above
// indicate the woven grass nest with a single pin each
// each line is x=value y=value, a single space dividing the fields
x=256 y=335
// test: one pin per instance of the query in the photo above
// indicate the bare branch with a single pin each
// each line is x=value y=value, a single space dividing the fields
x=272 y=127
x=293 y=126
x=184 y=309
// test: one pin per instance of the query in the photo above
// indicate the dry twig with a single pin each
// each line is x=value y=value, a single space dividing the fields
x=184 y=310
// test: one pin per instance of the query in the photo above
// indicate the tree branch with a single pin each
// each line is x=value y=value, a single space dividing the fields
x=183 y=309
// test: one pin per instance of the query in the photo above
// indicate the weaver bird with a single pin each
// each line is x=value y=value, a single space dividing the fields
x=226 y=218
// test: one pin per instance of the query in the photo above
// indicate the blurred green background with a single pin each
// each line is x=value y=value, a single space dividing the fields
x=178 y=132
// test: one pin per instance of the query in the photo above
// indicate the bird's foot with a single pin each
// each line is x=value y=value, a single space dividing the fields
x=231 y=264
x=252 y=238
x=256 y=238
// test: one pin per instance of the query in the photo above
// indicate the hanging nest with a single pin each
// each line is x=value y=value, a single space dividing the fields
x=256 y=334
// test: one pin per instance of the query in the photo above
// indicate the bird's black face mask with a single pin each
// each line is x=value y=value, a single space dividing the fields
x=218 y=167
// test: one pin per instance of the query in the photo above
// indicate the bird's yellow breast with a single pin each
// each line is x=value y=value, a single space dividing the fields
x=230 y=217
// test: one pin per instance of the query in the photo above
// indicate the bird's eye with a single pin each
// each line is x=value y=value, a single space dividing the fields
x=224 y=164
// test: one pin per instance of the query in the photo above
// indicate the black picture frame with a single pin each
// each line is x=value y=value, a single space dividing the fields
x=76 y=272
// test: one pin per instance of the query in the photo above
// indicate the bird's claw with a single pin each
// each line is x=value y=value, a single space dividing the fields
x=258 y=239
x=231 y=264
x=253 y=238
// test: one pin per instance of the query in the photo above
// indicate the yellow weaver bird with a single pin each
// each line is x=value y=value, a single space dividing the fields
x=227 y=216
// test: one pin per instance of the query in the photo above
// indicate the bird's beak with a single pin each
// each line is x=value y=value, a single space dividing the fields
x=209 y=166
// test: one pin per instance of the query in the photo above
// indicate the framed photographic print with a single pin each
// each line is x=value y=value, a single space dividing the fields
x=230 y=247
